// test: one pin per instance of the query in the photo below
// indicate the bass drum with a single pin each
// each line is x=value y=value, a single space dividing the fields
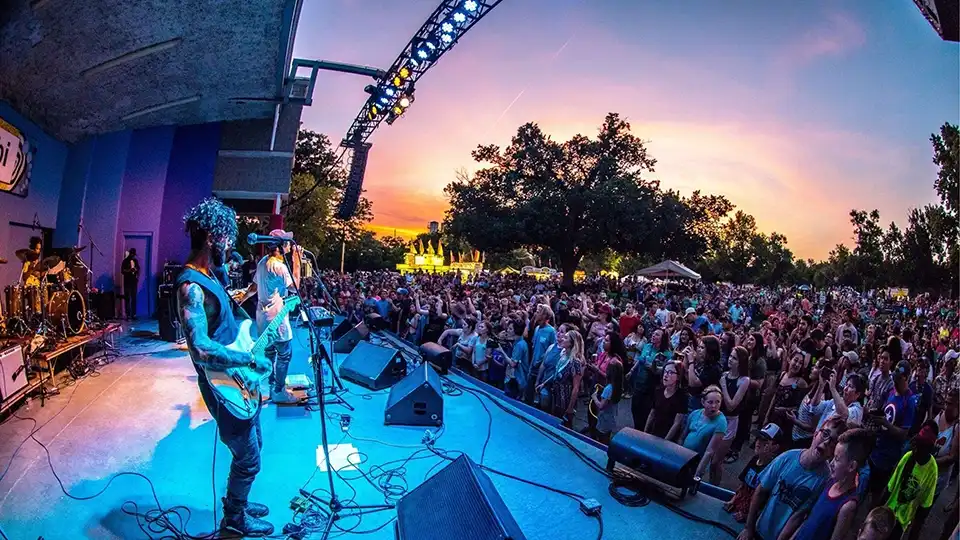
x=67 y=310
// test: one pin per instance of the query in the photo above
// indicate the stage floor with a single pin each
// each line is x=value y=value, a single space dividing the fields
x=143 y=413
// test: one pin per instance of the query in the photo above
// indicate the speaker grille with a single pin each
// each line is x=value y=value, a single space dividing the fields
x=458 y=502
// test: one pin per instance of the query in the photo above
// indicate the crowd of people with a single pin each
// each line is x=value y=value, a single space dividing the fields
x=850 y=397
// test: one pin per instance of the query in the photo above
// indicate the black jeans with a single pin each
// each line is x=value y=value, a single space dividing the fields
x=245 y=440
x=130 y=297
x=279 y=353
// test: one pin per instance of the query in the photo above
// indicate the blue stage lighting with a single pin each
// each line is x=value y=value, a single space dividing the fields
x=446 y=27
x=422 y=54
x=384 y=100
x=446 y=38
x=470 y=5
x=459 y=17
x=430 y=45
x=389 y=92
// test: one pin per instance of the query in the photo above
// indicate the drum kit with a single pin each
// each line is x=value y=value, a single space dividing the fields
x=50 y=296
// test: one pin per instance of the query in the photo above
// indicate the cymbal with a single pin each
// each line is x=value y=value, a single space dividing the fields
x=26 y=255
x=50 y=262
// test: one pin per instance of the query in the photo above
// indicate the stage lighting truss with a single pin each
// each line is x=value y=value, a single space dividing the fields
x=393 y=94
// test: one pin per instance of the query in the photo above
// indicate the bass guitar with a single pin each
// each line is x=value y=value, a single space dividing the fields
x=228 y=386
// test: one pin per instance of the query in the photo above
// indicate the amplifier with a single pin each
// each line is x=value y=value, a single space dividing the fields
x=12 y=371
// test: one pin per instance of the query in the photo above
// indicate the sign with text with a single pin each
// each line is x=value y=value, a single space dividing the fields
x=16 y=160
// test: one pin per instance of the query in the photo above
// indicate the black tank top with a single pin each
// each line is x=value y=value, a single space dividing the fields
x=732 y=391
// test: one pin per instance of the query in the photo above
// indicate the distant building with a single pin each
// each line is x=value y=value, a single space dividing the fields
x=943 y=15
x=434 y=227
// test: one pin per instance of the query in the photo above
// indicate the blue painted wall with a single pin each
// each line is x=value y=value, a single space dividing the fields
x=72 y=191
x=140 y=204
x=42 y=199
x=115 y=184
x=193 y=160
x=101 y=204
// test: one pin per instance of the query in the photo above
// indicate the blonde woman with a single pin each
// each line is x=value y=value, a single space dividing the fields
x=566 y=377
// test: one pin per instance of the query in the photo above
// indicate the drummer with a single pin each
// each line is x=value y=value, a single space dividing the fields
x=32 y=269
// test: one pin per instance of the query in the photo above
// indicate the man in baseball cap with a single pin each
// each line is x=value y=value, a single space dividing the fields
x=771 y=440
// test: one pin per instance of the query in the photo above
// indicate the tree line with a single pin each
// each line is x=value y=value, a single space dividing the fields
x=589 y=203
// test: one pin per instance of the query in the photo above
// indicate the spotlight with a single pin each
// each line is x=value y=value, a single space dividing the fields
x=446 y=38
x=404 y=102
x=404 y=72
x=398 y=110
x=459 y=17
x=385 y=100
x=446 y=27
x=422 y=54
x=430 y=45
x=389 y=91
x=397 y=81
x=470 y=5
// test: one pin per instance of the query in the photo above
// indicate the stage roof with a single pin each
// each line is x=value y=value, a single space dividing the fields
x=943 y=16
x=85 y=68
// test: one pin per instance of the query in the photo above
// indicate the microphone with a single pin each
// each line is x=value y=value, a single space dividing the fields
x=254 y=239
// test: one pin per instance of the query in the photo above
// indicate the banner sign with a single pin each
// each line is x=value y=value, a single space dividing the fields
x=16 y=160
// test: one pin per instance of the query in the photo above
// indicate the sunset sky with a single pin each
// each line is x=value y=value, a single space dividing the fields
x=796 y=111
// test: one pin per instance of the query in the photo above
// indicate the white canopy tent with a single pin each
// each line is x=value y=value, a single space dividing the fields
x=668 y=269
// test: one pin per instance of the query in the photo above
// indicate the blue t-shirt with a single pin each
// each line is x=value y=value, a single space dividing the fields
x=792 y=487
x=900 y=411
x=543 y=338
x=521 y=355
x=607 y=418
x=700 y=429
x=700 y=322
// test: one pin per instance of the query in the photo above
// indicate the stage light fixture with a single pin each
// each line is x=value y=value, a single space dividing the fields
x=430 y=45
x=390 y=92
x=446 y=27
x=459 y=17
x=470 y=5
x=422 y=54
x=446 y=38
x=385 y=100
x=404 y=102
x=404 y=72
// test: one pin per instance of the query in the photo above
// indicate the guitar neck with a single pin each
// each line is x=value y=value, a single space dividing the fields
x=264 y=339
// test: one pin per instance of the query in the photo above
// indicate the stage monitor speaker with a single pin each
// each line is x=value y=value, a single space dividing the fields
x=373 y=366
x=12 y=371
x=345 y=343
x=168 y=322
x=459 y=502
x=417 y=400
x=340 y=326
x=664 y=461
x=375 y=322
x=438 y=356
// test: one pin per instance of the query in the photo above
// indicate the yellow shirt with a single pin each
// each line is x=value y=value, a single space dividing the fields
x=917 y=491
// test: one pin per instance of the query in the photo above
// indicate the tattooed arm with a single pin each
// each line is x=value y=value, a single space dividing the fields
x=210 y=353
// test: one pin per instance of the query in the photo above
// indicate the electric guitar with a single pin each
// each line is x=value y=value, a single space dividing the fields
x=228 y=386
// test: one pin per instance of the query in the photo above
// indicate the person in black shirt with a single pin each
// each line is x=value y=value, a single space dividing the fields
x=669 y=405
x=130 y=268
x=771 y=440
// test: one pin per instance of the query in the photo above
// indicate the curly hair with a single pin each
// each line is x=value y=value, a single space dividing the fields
x=210 y=218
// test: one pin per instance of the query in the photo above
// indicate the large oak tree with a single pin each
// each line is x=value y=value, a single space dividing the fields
x=573 y=199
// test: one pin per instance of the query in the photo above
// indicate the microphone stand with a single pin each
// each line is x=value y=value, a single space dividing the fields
x=91 y=274
x=334 y=507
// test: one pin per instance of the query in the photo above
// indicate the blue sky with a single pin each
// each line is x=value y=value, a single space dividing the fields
x=796 y=111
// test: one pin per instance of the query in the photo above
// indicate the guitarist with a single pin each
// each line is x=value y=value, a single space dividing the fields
x=207 y=318
x=271 y=282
